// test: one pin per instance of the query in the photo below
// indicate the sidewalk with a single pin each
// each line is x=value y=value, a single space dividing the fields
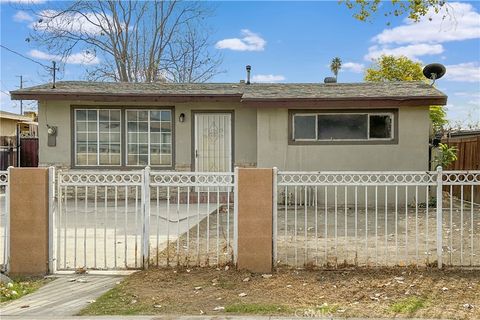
x=63 y=297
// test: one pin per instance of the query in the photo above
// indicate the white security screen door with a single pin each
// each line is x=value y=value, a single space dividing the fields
x=213 y=142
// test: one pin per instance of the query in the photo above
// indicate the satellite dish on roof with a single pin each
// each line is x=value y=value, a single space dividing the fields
x=330 y=80
x=434 y=71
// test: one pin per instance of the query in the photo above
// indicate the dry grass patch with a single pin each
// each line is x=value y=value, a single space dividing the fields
x=399 y=292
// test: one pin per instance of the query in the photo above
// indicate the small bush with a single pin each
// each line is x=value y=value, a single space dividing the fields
x=16 y=289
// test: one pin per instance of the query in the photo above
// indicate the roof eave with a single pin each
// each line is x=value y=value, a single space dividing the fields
x=353 y=102
x=252 y=102
x=39 y=96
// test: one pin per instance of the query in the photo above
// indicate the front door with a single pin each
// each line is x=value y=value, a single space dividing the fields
x=213 y=142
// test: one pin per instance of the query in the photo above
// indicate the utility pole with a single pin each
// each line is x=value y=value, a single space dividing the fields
x=21 y=87
x=18 y=142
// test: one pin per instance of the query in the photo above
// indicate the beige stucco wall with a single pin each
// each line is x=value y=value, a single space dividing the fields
x=8 y=127
x=261 y=139
x=411 y=152
x=58 y=113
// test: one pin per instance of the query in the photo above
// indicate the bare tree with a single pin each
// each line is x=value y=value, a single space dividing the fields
x=187 y=62
x=132 y=41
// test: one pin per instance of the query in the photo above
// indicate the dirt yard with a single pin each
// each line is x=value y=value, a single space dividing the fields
x=394 y=292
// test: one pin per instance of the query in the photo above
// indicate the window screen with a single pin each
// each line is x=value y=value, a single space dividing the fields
x=342 y=126
x=304 y=127
x=380 y=126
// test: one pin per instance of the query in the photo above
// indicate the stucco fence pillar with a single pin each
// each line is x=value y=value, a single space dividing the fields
x=29 y=221
x=255 y=219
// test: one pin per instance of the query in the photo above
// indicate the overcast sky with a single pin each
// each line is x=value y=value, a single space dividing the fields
x=289 y=42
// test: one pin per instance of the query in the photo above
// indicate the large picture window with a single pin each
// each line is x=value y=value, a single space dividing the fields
x=123 y=137
x=97 y=137
x=351 y=126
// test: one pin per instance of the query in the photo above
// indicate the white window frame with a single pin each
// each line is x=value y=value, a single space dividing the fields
x=126 y=153
x=368 y=114
x=97 y=110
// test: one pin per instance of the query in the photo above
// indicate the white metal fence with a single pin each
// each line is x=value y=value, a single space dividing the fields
x=4 y=220
x=129 y=219
x=191 y=218
x=376 y=218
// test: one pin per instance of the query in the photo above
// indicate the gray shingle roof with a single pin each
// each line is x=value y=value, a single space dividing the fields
x=125 y=88
x=375 y=90
x=252 y=92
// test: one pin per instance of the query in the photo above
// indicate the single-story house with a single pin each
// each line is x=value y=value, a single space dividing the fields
x=216 y=126
x=10 y=122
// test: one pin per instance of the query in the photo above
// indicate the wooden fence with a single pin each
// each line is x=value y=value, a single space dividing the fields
x=28 y=154
x=468 y=153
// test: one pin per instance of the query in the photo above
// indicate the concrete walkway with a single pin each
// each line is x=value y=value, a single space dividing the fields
x=64 y=296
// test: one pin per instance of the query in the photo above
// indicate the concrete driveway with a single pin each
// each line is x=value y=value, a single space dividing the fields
x=64 y=296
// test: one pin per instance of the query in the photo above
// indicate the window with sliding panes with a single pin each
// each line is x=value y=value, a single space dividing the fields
x=149 y=137
x=351 y=126
x=97 y=137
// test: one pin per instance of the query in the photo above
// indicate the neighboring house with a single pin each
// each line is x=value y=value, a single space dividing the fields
x=9 y=123
x=27 y=129
x=216 y=126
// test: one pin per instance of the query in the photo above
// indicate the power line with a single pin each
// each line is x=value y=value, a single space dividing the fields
x=25 y=57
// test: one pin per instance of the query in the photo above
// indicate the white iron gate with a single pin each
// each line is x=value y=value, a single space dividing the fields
x=130 y=219
x=376 y=218
x=99 y=219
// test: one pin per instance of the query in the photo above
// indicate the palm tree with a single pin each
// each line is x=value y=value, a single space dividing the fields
x=336 y=65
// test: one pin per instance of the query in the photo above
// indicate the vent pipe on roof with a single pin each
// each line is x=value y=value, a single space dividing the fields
x=249 y=68
x=330 y=80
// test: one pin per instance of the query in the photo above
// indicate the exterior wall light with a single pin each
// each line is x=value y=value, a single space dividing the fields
x=182 y=117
